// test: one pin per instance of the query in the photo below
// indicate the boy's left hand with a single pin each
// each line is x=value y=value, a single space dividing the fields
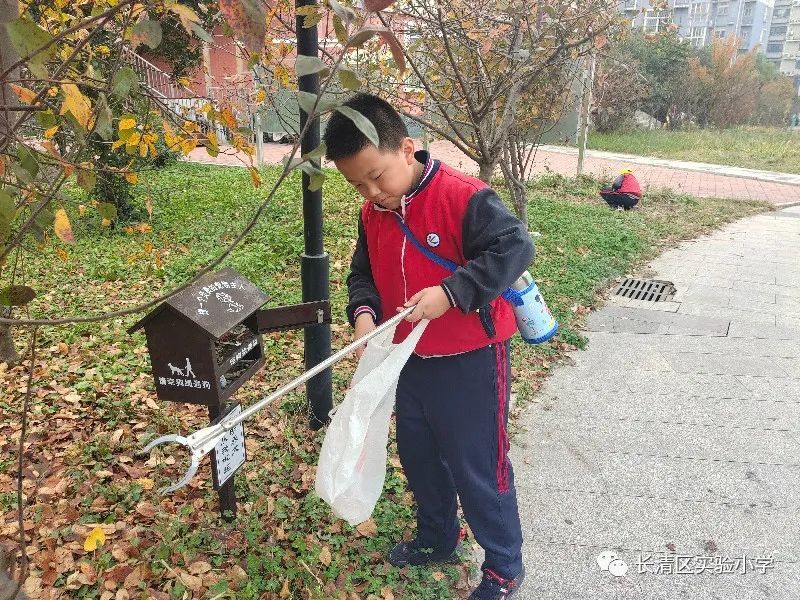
x=432 y=302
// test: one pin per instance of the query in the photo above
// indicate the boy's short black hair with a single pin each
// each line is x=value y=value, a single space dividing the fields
x=344 y=139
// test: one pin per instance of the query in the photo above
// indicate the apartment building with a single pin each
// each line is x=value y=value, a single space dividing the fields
x=699 y=20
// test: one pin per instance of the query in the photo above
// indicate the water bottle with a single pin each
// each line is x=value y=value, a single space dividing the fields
x=535 y=322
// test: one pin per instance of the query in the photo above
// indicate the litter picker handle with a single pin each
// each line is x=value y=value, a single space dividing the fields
x=329 y=362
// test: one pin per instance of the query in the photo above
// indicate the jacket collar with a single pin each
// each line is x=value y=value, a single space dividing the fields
x=428 y=171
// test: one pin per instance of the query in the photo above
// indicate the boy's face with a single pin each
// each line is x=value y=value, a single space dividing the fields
x=380 y=176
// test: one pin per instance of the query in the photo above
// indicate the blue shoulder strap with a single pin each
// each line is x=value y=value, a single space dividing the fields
x=510 y=294
x=439 y=260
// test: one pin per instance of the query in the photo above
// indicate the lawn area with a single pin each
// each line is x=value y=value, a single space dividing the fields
x=94 y=405
x=753 y=148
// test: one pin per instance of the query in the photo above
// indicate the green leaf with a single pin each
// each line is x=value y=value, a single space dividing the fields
x=364 y=125
x=293 y=163
x=349 y=80
x=45 y=218
x=123 y=82
x=147 y=32
x=46 y=119
x=104 y=124
x=202 y=33
x=306 y=101
x=315 y=181
x=26 y=167
x=16 y=295
x=315 y=175
x=344 y=13
x=86 y=179
x=8 y=211
x=339 y=30
x=107 y=210
x=27 y=38
x=306 y=65
x=316 y=153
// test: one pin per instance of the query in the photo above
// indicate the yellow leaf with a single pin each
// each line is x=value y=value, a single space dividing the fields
x=23 y=94
x=117 y=144
x=146 y=483
x=148 y=204
x=127 y=123
x=131 y=177
x=62 y=254
x=96 y=538
x=254 y=175
x=285 y=592
x=77 y=104
x=325 y=556
x=105 y=222
x=81 y=209
x=438 y=575
x=50 y=132
x=62 y=227
x=261 y=95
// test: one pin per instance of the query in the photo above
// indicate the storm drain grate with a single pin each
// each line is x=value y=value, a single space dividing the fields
x=651 y=290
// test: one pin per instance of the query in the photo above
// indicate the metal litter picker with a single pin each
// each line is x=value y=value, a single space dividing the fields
x=203 y=441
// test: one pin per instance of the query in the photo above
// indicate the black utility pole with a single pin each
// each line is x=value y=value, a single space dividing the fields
x=314 y=261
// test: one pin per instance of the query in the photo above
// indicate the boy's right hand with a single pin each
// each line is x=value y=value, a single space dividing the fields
x=364 y=324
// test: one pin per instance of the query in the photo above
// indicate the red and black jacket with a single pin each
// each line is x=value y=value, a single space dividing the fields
x=626 y=183
x=461 y=219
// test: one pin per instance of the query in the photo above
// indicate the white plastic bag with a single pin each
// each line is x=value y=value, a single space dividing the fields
x=352 y=461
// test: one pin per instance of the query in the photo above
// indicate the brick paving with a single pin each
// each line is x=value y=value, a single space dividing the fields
x=704 y=181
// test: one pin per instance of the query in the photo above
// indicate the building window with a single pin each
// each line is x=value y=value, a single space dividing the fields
x=778 y=30
x=781 y=13
x=748 y=10
x=721 y=33
x=774 y=48
x=722 y=10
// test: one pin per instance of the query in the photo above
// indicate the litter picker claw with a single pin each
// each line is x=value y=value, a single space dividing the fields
x=203 y=441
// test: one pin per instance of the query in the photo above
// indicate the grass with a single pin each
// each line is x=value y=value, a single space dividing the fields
x=94 y=404
x=752 y=147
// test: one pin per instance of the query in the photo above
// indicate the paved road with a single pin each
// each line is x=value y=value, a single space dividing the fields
x=676 y=433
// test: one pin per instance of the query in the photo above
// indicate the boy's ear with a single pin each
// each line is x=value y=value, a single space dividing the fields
x=408 y=148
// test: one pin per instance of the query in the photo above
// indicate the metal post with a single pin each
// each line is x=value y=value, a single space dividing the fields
x=314 y=261
x=227 y=492
x=583 y=115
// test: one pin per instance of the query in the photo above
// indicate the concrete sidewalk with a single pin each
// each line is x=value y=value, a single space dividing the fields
x=676 y=434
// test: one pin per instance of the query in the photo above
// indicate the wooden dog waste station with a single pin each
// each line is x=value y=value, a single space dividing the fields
x=205 y=342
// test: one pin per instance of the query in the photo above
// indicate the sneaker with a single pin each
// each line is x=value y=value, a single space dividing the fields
x=620 y=208
x=408 y=553
x=494 y=587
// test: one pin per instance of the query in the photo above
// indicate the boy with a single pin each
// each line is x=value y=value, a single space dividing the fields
x=452 y=397
x=624 y=192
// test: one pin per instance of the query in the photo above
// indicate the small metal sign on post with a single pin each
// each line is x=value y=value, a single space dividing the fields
x=229 y=454
x=205 y=343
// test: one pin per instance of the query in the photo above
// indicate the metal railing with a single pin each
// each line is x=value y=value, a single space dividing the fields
x=169 y=96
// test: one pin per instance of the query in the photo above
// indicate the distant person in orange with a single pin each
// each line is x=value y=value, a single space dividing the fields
x=624 y=192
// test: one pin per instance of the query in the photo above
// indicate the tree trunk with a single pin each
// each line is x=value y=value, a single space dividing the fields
x=9 y=10
x=486 y=171
x=8 y=353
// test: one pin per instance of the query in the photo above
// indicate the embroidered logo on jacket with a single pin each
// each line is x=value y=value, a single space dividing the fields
x=433 y=240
